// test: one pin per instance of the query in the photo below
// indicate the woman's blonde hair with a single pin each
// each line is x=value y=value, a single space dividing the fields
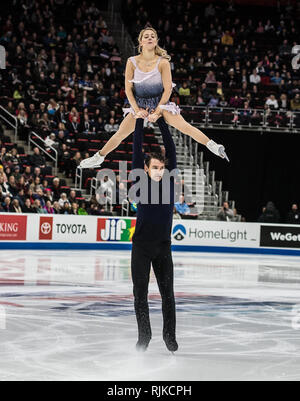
x=158 y=50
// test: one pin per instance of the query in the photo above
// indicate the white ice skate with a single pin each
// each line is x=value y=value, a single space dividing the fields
x=218 y=150
x=92 y=162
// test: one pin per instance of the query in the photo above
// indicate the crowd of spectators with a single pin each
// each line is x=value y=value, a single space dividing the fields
x=64 y=81
x=226 y=55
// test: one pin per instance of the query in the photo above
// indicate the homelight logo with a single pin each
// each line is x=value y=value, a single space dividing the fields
x=179 y=232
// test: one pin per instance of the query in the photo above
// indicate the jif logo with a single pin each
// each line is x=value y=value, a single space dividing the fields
x=179 y=232
x=2 y=58
x=115 y=229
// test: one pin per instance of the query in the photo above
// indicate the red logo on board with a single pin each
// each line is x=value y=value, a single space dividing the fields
x=13 y=228
x=46 y=228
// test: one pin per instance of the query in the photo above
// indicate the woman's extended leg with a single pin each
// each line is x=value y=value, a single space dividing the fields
x=178 y=122
x=126 y=128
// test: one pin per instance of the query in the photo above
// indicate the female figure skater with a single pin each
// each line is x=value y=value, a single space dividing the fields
x=148 y=87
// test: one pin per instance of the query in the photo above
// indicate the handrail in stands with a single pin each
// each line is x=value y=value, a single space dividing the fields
x=78 y=178
x=4 y=114
x=31 y=140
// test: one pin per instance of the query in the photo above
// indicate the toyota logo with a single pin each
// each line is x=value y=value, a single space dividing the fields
x=45 y=228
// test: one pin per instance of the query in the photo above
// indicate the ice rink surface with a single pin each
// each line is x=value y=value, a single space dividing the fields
x=68 y=315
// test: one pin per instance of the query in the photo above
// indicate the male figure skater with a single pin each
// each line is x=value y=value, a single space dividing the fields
x=152 y=239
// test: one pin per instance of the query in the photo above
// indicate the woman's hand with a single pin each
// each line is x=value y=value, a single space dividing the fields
x=153 y=117
x=142 y=113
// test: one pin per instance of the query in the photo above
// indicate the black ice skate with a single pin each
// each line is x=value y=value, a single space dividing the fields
x=142 y=345
x=171 y=343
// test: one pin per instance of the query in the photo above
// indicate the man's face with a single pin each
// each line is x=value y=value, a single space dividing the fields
x=295 y=207
x=155 y=170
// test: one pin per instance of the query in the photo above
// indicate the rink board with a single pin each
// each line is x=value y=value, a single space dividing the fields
x=32 y=231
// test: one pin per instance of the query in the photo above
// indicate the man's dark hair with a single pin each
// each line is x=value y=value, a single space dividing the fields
x=157 y=156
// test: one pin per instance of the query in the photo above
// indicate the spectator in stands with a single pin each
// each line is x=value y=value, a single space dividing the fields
x=52 y=107
x=285 y=49
x=293 y=216
x=12 y=186
x=87 y=126
x=73 y=126
x=99 y=125
x=214 y=101
x=225 y=214
x=72 y=196
x=56 y=188
x=27 y=208
x=236 y=102
x=48 y=207
x=39 y=194
x=255 y=79
x=270 y=214
x=295 y=103
x=74 y=208
x=121 y=193
x=181 y=206
x=56 y=207
x=111 y=127
x=28 y=177
x=15 y=206
x=82 y=209
x=272 y=102
x=107 y=186
x=210 y=78
x=227 y=39
x=277 y=79
x=63 y=199
x=184 y=90
x=37 y=160
x=283 y=102
x=7 y=207
x=37 y=207
x=176 y=215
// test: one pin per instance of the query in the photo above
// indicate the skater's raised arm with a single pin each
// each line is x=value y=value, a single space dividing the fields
x=168 y=144
x=138 y=137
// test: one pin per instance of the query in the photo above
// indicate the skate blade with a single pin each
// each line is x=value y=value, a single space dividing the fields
x=83 y=167
x=224 y=155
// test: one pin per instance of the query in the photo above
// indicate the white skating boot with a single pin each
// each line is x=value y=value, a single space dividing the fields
x=218 y=150
x=92 y=162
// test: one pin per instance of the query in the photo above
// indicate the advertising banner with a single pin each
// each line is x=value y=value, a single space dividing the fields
x=36 y=231
x=13 y=227
x=215 y=233
x=280 y=236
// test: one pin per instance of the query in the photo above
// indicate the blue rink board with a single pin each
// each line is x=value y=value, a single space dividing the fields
x=125 y=247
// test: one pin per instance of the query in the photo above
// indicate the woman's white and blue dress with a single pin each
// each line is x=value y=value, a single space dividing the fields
x=148 y=90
